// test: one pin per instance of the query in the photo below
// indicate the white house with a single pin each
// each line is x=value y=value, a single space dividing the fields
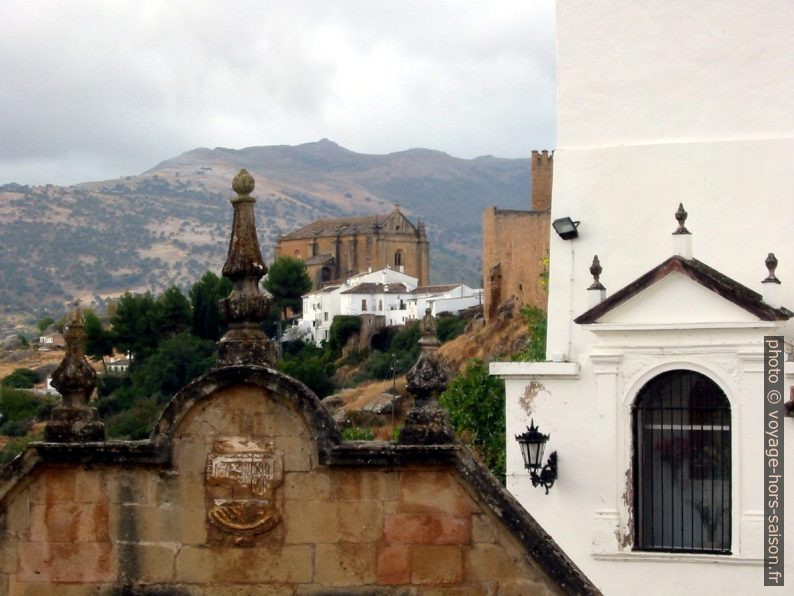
x=451 y=298
x=392 y=295
x=383 y=293
x=653 y=389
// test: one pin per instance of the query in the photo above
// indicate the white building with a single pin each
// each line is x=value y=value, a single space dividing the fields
x=386 y=293
x=653 y=397
x=450 y=298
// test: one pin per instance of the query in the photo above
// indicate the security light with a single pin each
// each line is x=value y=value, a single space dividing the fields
x=566 y=228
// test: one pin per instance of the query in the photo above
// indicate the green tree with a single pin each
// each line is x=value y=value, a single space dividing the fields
x=309 y=367
x=476 y=404
x=21 y=378
x=287 y=280
x=135 y=323
x=176 y=361
x=204 y=297
x=342 y=327
x=44 y=323
x=98 y=340
x=535 y=350
x=172 y=313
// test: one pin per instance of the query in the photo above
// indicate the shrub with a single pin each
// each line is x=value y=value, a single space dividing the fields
x=449 y=327
x=356 y=433
x=535 y=350
x=342 y=328
x=21 y=378
x=135 y=423
x=17 y=404
x=476 y=405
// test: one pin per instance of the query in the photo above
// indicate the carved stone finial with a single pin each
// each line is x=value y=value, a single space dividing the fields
x=595 y=271
x=680 y=217
x=429 y=332
x=771 y=265
x=74 y=420
x=427 y=423
x=246 y=306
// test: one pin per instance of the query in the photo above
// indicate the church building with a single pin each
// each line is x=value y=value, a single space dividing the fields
x=335 y=249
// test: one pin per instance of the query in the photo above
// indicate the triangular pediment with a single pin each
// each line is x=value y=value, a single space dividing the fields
x=683 y=291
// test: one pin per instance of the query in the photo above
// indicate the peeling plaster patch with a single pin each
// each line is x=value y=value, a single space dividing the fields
x=532 y=390
x=626 y=540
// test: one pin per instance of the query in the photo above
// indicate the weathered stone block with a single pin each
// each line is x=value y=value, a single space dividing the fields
x=522 y=587
x=394 y=565
x=323 y=522
x=153 y=563
x=409 y=528
x=364 y=485
x=129 y=486
x=483 y=562
x=17 y=516
x=190 y=456
x=70 y=522
x=301 y=485
x=344 y=564
x=434 y=491
x=299 y=453
x=440 y=564
x=482 y=529
x=84 y=562
x=8 y=555
x=462 y=590
x=287 y=564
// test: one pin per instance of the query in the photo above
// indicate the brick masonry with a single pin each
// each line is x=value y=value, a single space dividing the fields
x=85 y=527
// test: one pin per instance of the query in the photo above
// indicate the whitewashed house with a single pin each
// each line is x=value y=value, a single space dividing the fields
x=381 y=293
x=450 y=298
x=653 y=390
x=392 y=297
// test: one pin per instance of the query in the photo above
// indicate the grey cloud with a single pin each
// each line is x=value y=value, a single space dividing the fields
x=94 y=90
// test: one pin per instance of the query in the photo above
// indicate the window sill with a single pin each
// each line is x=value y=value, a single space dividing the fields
x=652 y=557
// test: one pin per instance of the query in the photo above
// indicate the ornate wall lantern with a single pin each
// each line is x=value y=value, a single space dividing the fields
x=532 y=444
x=566 y=228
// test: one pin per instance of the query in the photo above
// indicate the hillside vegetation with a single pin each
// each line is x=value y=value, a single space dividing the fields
x=171 y=223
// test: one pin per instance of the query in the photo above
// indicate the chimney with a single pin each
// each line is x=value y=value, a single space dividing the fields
x=771 y=290
x=596 y=293
x=682 y=238
x=542 y=170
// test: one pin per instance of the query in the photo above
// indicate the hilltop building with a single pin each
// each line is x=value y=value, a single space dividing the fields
x=335 y=249
x=515 y=245
x=653 y=388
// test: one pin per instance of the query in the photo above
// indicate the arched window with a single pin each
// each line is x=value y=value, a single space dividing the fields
x=398 y=259
x=682 y=465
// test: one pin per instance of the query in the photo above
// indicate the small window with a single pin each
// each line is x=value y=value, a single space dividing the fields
x=682 y=463
x=380 y=305
x=363 y=304
x=398 y=258
x=325 y=316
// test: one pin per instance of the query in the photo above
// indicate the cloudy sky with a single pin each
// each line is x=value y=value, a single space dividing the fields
x=98 y=89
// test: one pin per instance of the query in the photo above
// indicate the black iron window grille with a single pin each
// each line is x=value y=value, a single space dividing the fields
x=682 y=465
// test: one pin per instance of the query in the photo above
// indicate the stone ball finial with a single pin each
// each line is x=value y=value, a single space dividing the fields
x=771 y=265
x=680 y=217
x=243 y=183
x=595 y=271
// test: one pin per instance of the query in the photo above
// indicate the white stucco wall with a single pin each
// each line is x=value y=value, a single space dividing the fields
x=660 y=102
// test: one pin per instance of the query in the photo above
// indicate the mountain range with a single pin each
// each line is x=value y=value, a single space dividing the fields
x=171 y=223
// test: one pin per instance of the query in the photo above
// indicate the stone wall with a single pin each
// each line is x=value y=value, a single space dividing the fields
x=516 y=244
x=245 y=488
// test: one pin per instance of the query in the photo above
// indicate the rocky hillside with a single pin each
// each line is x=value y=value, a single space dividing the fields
x=171 y=223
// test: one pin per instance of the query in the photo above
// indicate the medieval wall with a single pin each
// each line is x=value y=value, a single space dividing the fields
x=516 y=244
x=245 y=507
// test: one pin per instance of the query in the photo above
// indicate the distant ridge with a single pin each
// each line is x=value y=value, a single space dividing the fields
x=170 y=224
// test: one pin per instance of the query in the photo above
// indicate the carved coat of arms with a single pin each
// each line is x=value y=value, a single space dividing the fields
x=242 y=477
